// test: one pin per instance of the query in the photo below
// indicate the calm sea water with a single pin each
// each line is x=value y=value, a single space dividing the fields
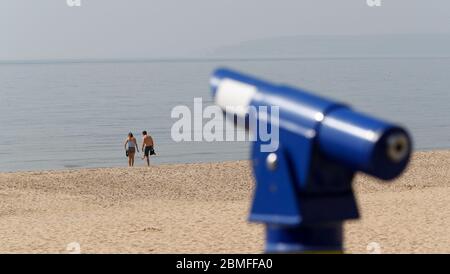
x=76 y=115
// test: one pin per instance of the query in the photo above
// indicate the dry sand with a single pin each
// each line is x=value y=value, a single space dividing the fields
x=202 y=208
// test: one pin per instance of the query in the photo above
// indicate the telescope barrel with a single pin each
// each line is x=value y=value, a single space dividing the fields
x=361 y=142
x=371 y=145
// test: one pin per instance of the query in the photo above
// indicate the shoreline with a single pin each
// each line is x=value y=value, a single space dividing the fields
x=141 y=165
x=203 y=208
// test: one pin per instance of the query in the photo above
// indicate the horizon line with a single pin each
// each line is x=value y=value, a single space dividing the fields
x=210 y=59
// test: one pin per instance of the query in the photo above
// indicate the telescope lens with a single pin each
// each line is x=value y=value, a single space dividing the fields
x=397 y=147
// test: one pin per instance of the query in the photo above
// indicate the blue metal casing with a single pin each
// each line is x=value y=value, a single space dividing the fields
x=322 y=144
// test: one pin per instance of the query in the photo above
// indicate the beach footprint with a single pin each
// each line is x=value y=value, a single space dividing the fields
x=147 y=229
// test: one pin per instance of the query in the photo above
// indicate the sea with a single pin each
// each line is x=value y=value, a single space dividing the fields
x=76 y=114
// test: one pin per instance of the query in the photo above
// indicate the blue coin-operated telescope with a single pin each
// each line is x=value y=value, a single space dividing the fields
x=303 y=188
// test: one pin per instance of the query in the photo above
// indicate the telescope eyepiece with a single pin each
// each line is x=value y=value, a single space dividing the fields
x=397 y=147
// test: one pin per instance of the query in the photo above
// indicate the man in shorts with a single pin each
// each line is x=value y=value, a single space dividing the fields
x=147 y=147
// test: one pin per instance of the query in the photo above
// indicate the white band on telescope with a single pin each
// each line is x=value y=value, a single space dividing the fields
x=234 y=97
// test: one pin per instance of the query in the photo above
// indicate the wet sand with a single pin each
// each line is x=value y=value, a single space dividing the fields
x=202 y=208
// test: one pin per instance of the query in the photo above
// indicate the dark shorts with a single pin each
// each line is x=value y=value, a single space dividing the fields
x=131 y=150
x=149 y=150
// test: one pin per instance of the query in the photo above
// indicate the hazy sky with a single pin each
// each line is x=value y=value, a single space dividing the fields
x=50 y=29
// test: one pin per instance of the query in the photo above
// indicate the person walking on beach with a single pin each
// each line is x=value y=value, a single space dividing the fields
x=130 y=148
x=147 y=146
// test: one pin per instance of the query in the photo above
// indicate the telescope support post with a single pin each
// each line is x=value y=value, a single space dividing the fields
x=307 y=218
x=322 y=238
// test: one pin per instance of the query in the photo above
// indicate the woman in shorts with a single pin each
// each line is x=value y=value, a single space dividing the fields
x=131 y=148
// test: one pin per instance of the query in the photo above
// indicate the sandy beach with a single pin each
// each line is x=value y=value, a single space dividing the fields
x=202 y=208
